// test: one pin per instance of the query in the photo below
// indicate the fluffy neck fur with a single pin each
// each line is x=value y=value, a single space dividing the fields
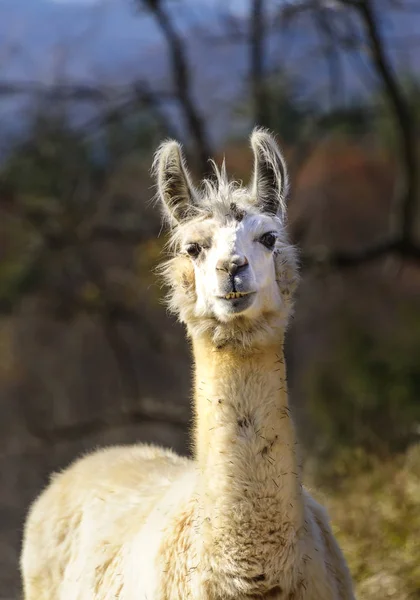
x=245 y=446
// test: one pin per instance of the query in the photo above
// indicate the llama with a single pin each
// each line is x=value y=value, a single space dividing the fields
x=142 y=523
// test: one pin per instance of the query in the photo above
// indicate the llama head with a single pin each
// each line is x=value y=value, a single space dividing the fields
x=233 y=271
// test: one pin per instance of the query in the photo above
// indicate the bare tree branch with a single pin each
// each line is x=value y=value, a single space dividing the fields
x=401 y=242
x=147 y=412
x=397 y=247
x=182 y=83
x=402 y=116
x=258 y=37
x=332 y=57
x=109 y=323
x=115 y=100
x=73 y=91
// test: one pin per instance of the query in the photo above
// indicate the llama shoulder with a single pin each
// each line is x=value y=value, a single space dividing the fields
x=129 y=473
x=98 y=501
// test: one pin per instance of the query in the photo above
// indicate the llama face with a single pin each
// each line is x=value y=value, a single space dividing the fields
x=232 y=262
x=235 y=264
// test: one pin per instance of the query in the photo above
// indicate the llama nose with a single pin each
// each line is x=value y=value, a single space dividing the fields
x=233 y=264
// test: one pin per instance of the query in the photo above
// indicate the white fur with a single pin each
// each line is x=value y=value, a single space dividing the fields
x=235 y=239
x=141 y=523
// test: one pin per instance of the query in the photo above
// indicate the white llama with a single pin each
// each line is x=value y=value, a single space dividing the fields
x=139 y=522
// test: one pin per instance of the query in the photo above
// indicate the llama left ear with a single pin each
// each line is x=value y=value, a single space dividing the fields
x=174 y=185
x=270 y=180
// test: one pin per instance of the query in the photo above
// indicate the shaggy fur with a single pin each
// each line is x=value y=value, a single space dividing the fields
x=141 y=523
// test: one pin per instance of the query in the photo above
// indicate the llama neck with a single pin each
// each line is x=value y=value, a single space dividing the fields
x=250 y=487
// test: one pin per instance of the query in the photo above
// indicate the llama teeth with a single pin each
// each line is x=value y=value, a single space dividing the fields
x=233 y=295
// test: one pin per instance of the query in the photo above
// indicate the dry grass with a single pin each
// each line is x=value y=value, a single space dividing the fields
x=376 y=515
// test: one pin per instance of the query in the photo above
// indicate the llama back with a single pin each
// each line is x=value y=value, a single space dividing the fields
x=79 y=527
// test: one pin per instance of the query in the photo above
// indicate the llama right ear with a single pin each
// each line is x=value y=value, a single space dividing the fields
x=270 y=180
x=174 y=186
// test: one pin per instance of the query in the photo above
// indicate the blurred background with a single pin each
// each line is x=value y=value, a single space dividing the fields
x=88 y=355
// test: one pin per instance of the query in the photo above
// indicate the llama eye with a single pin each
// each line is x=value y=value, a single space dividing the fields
x=268 y=240
x=193 y=250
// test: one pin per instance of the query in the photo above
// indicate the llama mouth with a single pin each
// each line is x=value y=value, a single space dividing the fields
x=236 y=302
x=235 y=295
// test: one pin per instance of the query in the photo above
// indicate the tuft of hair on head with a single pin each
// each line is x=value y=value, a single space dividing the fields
x=217 y=187
x=175 y=190
x=220 y=173
x=270 y=182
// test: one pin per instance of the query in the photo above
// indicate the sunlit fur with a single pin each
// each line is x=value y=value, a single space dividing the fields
x=141 y=523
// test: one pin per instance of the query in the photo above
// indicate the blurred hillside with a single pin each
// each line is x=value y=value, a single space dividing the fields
x=88 y=355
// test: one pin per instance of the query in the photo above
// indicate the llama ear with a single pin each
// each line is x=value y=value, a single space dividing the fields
x=174 y=186
x=270 y=180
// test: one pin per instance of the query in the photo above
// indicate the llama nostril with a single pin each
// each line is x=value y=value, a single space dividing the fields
x=233 y=264
x=237 y=263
